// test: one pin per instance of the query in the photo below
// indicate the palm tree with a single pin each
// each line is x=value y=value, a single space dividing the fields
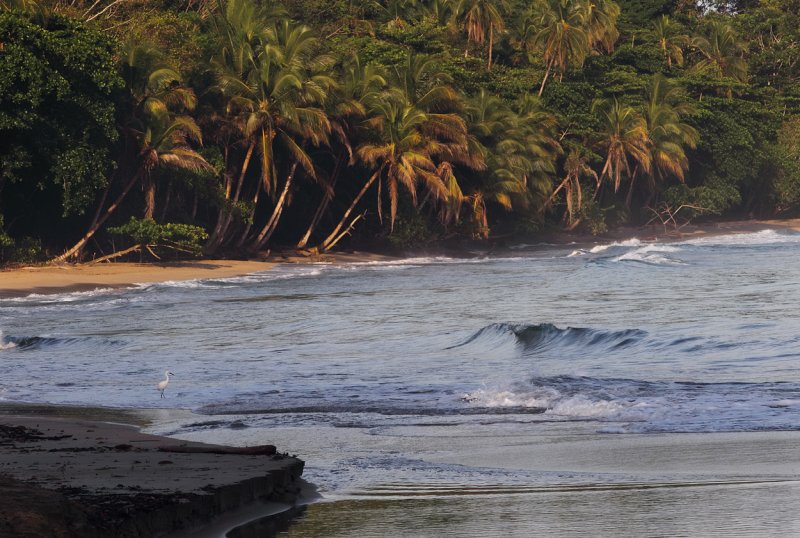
x=722 y=53
x=406 y=144
x=624 y=138
x=669 y=41
x=155 y=135
x=155 y=94
x=599 y=18
x=243 y=28
x=425 y=84
x=562 y=37
x=479 y=17
x=668 y=134
x=278 y=100
x=441 y=11
x=519 y=150
x=576 y=166
x=361 y=86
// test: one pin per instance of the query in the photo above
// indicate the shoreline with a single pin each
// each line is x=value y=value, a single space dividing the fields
x=53 y=279
x=77 y=471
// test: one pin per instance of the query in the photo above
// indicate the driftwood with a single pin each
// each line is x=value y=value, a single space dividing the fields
x=669 y=216
x=259 y=450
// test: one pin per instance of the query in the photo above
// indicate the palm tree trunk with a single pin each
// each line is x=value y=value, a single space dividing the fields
x=226 y=215
x=491 y=39
x=98 y=223
x=167 y=197
x=246 y=232
x=629 y=197
x=328 y=240
x=324 y=203
x=272 y=223
x=149 y=197
x=546 y=75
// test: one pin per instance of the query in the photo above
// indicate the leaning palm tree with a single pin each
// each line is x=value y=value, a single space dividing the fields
x=163 y=141
x=155 y=132
x=155 y=91
x=360 y=86
x=242 y=28
x=623 y=139
x=403 y=152
x=479 y=18
x=576 y=166
x=519 y=150
x=562 y=36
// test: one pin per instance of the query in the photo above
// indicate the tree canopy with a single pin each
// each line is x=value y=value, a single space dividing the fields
x=317 y=123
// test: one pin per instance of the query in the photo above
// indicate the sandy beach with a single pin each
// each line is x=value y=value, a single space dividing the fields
x=48 y=279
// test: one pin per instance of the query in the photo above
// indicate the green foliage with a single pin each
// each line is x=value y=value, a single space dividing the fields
x=787 y=164
x=593 y=218
x=301 y=103
x=713 y=198
x=410 y=229
x=57 y=80
x=184 y=238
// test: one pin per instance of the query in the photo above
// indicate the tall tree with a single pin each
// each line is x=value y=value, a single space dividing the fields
x=561 y=38
x=669 y=135
x=278 y=100
x=156 y=135
x=479 y=18
x=722 y=52
x=403 y=151
x=669 y=40
x=360 y=88
x=623 y=139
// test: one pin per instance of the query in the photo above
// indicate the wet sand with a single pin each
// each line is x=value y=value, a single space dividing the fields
x=76 y=475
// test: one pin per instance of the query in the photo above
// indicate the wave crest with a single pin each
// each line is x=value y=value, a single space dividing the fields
x=546 y=335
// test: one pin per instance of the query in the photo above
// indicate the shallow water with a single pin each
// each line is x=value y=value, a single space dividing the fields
x=448 y=375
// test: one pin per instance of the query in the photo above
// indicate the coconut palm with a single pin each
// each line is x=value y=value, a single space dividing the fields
x=669 y=40
x=479 y=18
x=599 y=18
x=425 y=85
x=155 y=93
x=278 y=100
x=242 y=29
x=519 y=151
x=668 y=134
x=722 y=52
x=576 y=166
x=562 y=37
x=156 y=133
x=441 y=11
x=403 y=152
x=360 y=86
x=624 y=138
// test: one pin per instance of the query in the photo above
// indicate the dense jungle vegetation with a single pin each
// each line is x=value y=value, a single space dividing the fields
x=230 y=127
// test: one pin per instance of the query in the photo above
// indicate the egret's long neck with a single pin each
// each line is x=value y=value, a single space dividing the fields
x=166 y=377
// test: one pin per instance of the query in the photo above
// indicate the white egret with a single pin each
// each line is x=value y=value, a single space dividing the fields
x=162 y=385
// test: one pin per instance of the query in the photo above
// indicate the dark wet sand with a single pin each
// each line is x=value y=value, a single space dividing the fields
x=76 y=476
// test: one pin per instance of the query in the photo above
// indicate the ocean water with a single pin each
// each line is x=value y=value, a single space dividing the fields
x=634 y=388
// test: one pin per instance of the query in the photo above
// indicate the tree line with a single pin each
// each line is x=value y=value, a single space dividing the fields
x=229 y=127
